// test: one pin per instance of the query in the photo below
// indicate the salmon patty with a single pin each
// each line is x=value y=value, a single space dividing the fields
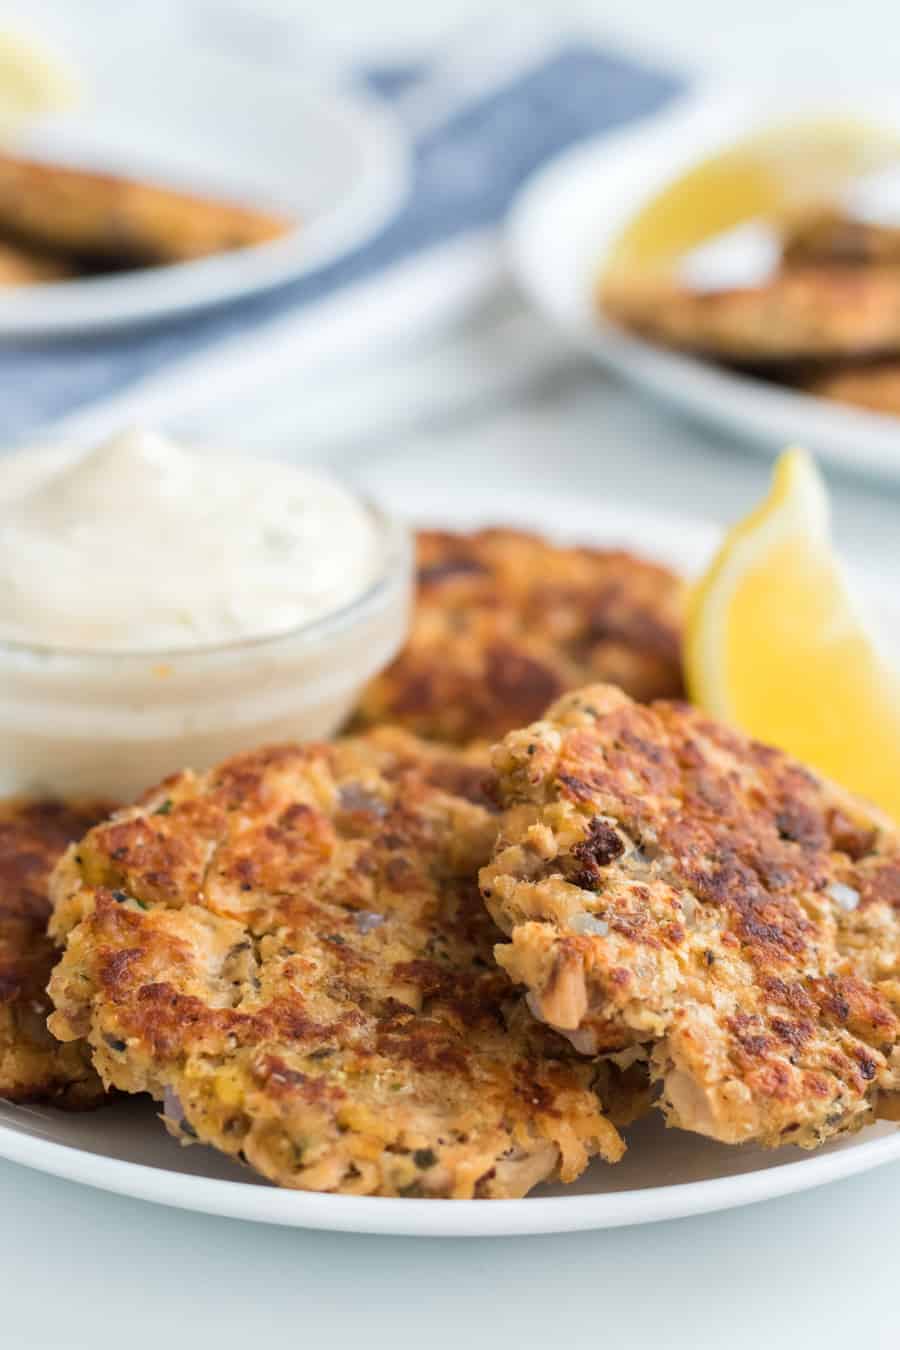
x=806 y=312
x=675 y=891
x=830 y=236
x=103 y=219
x=504 y=622
x=34 y=1066
x=290 y=952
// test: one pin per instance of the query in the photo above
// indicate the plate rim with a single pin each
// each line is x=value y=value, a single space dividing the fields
x=380 y=188
x=530 y=1216
x=762 y=416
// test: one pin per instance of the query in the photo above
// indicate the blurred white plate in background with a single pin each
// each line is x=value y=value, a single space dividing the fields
x=570 y=213
x=336 y=160
x=665 y=1174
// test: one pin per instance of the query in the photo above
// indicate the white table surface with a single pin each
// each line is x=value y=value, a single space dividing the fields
x=80 y=1271
x=83 y=1269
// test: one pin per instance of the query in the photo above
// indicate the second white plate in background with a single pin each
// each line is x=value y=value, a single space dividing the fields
x=335 y=160
x=567 y=217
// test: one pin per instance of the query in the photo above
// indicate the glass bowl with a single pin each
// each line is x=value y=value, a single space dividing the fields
x=113 y=723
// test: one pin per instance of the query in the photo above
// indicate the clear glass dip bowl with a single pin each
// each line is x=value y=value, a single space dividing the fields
x=113 y=723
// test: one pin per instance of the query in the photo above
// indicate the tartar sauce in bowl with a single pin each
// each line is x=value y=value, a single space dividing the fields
x=162 y=607
x=140 y=544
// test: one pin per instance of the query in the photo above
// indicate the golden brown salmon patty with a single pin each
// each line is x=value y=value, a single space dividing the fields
x=292 y=953
x=108 y=219
x=672 y=887
x=504 y=622
x=826 y=312
x=829 y=236
x=34 y=1066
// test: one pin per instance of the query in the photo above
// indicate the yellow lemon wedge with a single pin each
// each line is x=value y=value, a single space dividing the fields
x=33 y=81
x=778 y=170
x=775 y=645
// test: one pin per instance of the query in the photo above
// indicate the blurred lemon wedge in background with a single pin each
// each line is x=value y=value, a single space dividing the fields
x=778 y=170
x=775 y=646
x=32 y=81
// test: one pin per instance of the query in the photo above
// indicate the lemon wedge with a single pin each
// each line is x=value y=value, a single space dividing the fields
x=32 y=81
x=776 y=647
x=778 y=170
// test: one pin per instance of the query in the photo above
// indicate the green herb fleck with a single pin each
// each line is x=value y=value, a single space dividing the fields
x=164 y=808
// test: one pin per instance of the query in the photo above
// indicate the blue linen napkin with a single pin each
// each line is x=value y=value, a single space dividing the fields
x=467 y=168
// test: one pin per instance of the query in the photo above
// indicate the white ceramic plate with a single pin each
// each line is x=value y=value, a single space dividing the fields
x=666 y=1174
x=335 y=161
x=567 y=217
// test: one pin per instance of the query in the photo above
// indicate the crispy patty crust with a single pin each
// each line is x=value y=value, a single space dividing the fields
x=505 y=622
x=291 y=952
x=33 y=1065
x=805 y=312
x=106 y=219
x=670 y=885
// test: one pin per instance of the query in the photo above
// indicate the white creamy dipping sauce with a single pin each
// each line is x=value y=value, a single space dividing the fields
x=142 y=545
x=158 y=610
